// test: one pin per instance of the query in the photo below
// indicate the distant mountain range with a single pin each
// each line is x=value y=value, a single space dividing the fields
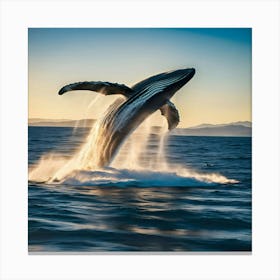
x=241 y=128
x=230 y=129
x=207 y=125
x=61 y=122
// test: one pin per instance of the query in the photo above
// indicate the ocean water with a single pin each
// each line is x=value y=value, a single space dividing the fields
x=145 y=209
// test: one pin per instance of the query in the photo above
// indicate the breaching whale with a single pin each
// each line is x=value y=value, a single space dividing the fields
x=128 y=112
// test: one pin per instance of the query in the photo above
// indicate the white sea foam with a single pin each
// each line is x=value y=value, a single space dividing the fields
x=143 y=178
x=127 y=169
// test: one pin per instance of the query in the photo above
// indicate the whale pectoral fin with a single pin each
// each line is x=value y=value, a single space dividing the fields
x=171 y=113
x=105 y=88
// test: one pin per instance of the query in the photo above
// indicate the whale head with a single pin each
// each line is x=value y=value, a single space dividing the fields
x=165 y=84
x=156 y=91
x=176 y=79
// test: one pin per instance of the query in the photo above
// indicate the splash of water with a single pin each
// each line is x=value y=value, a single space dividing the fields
x=129 y=156
x=86 y=158
x=132 y=164
x=161 y=162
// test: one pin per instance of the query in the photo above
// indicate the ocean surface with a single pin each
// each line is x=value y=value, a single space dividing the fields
x=146 y=209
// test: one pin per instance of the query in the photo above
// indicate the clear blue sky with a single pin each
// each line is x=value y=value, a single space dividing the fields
x=219 y=92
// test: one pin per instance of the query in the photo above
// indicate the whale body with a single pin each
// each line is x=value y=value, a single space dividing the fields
x=127 y=113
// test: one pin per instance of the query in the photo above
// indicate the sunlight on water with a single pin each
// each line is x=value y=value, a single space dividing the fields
x=133 y=165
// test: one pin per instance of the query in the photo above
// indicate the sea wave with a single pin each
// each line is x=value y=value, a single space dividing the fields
x=180 y=177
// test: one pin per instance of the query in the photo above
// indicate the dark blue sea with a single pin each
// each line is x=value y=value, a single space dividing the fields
x=143 y=210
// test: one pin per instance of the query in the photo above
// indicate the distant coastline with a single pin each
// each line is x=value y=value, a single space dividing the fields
x=238 y=129
x=61 y=122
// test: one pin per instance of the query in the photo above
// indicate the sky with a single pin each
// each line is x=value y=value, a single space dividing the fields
x=220 y=91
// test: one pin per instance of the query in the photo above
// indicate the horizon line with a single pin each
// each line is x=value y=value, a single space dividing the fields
x=89 y=119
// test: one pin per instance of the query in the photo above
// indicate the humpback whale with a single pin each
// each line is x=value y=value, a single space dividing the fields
x=129 y=111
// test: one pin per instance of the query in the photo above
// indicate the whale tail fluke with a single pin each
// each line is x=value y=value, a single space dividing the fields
x=105 y=88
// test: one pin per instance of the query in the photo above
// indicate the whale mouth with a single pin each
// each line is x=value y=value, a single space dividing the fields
x=192 y=72
x=183 y=77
